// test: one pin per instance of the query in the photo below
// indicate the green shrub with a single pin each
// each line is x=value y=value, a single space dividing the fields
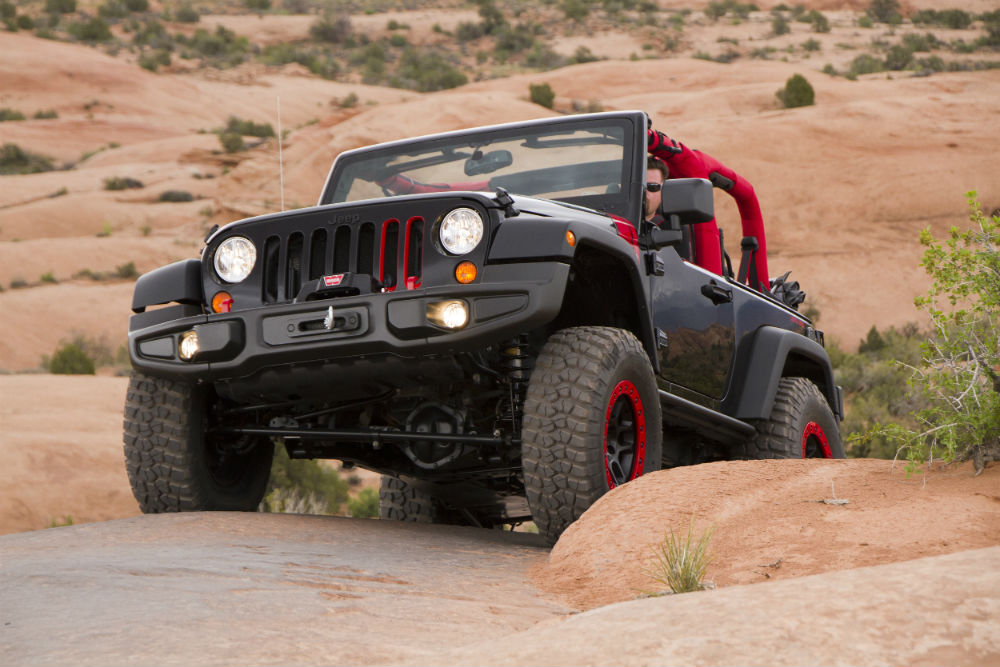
x=137 y=5
x=865 y=22
x=810 y=45
x=583 y=55
x=257 y=5
x=296 y=480
x=60 y=6
x=70 y=359
x=187 y=14
x=317 y=59
x=819 y=22
x=917 y=42
x=25 y=22
x=232 y=142
x=18 y=283
x=15 y=160
x=956 y=19
x=427 y=71
x=335 y=29
x=865 y=64
x=121 y=183
x=92 y=30
x=10 y=114
x=364 y=505
x=45 y=114
x=8 y=10
x=898 y=58
x=174 y=196
x=542 y=94
x=798 y=92
x=224 y=48
x=681 y=563
x=576 y=10
x=779 y=25
x=127 y=271
x=248 y=128
x=105 y=230
x=49 y=278
x=542 y=56
x=958 y=376
x=885 y=11
x=112 y=9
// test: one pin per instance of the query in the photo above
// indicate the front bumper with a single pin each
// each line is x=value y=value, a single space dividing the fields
x=507 y=300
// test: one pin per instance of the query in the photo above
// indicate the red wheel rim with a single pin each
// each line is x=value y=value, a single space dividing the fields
x=813 y=435
x=624 y=435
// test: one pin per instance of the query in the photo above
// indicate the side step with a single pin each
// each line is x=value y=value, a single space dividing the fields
x=681 y=412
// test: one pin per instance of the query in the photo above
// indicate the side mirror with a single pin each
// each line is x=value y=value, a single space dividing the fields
x=487 y=163
x=690 y=199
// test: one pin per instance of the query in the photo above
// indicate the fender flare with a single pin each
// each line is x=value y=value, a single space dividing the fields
x=773 y=353
x=178 y=282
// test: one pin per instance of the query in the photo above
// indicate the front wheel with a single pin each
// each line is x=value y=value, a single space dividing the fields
x=591 y=423
x=801 y=426
x=174 y=465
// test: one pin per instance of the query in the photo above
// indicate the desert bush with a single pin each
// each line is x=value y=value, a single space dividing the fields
x=257 y=5
x=811 y=45
x=60 y=6
x=248 y=128
x=576 y=10
x=112 y=9
x=798 y=92
x=956 y=19
x=898 y=57
x=779 y=25
x=303 y=482
x=154 y=59
x=819 y=21
x=45 y=114
x=70 y=359
x=121 y=183
x=137 y=5
x=583 y=55
x=175 y=196
x=542 y=94
x=918 y=42
x=959 y=370
x=8 y=10
x=364 y=505
x=681 y=562
x=187 y=14
x=885 y=11
x=222 y=47
x=49 y=278
x=127 y=271
x=865 y=64
x=232 y=142
x=24 y=22
x=95 y=29
x=541 y=56
x=427 y=71
x=335 y=29
x=16 y=160
x=10 y=114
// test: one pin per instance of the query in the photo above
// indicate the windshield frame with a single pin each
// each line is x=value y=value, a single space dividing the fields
x=626 y=204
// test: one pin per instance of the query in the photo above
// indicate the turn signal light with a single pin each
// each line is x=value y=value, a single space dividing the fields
x=222 y=302
x=466 y=272
x=570 y=238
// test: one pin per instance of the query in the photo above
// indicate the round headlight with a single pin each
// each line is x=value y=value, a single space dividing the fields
x=234 y=259
x=461 y=231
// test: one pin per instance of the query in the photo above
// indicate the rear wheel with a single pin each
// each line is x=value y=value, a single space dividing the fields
x=174 y=466
x=399 y=500
x=801 y=426
x=591 y=423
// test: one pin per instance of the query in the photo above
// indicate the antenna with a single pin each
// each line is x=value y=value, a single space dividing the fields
x=281 y=162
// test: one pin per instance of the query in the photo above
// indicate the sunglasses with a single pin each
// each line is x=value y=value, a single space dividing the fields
x=653 y=187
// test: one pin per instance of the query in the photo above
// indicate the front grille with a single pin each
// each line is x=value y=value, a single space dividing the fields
x=391 y=251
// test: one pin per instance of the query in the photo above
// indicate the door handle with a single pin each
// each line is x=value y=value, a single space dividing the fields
x=717 y=293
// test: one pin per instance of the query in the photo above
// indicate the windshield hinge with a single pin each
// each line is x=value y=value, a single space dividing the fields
x=504 y=200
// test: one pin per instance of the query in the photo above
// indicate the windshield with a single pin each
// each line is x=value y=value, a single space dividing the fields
x=580 y=162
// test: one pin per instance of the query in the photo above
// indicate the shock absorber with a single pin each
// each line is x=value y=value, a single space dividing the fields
x=516 y=364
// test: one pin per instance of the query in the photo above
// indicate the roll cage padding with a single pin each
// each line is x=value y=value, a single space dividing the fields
x=180 y=282
x=687 y=163
x=770 y=354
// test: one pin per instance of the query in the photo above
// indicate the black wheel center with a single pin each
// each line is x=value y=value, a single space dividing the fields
x=621 y=440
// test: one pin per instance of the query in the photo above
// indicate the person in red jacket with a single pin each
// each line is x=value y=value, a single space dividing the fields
x=684 y=162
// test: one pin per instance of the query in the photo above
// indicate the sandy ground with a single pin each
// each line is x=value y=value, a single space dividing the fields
x=231 y=589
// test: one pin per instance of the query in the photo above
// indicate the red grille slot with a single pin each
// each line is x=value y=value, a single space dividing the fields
x=413 y=252
x=389 y=257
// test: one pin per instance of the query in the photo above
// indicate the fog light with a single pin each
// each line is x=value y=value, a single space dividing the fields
x=448 y=314
x=188 y=347
x=465 y=272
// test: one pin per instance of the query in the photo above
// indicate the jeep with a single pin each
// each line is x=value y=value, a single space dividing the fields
x=485 y=318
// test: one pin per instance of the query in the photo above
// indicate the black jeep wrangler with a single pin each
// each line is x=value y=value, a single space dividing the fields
x=481 y=316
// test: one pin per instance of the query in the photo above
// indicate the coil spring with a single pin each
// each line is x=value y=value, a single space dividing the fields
x=516 y=364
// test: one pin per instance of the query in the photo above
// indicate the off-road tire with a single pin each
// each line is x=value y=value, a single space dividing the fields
x=399 y=500
x=584 y=379
x=801 y=425
x=172 y=466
